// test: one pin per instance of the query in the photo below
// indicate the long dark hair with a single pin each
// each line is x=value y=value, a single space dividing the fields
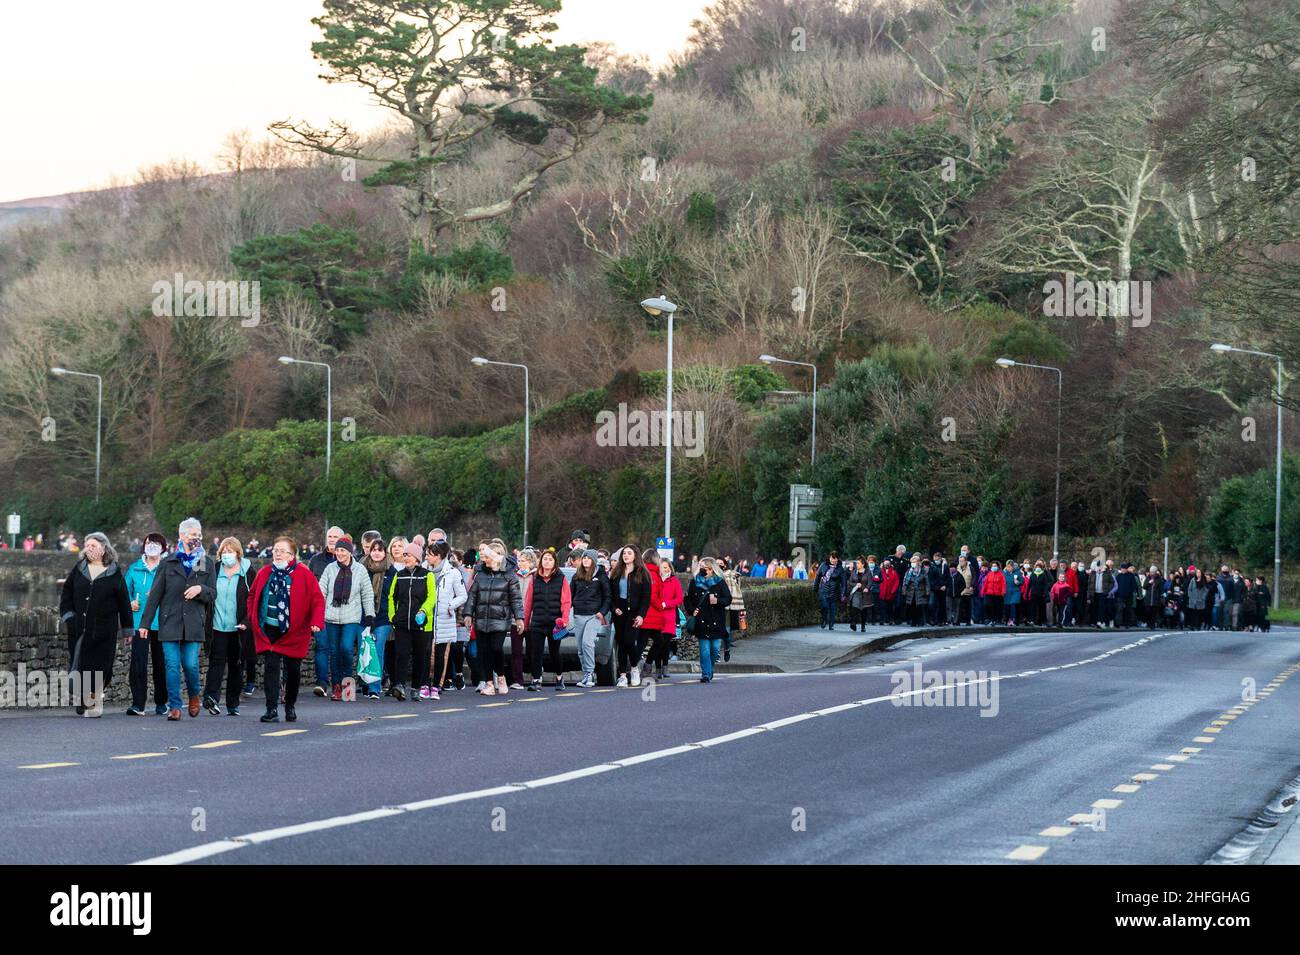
x=639 y=572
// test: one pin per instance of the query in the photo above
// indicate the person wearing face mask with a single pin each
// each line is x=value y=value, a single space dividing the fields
x=871 y=581
x=349 y=596
x=965 y=583
x=916 y=591
x=707 y=601
x=1040 y=591
x=182 y=594
x=890 y=583
x=139 y=581
x=734 y=612
x=285 y=608
x=829 y=586
x=1014 y=579
x=229 y=624
x=96 y=608
x=994 y=591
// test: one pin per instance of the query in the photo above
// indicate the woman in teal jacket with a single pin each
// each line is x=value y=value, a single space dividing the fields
x=139 y=580
x=1015 y=579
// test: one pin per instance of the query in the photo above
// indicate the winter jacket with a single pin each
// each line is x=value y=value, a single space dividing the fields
x=995 y=585
x=381 y=598
x=966 y=581
x=360 y=604
x=495 y=599
x=451 y=597
x=547 y=605
x=1014 y=580
x=319 y=562
x=939 y=577
x=1072 y=578
x=829 y=583
x=670 y=599
x=1061 y=593
x=590 y=597
x=1040 y=585
x=306 y=610
x=638 y=595
x=139 y=581
x=243 y=582
x=178 y=618
x=96 y=612
x=1126 y=585
x=1196 y=594
x=410 y=593
x=710 y=619
x=889 y=582
x=916 y=587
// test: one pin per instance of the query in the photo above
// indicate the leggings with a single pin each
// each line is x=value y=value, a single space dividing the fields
x=411 y=656
x=491 y=656
x=442 y=660
x=537 y=642
x=631 y=641
x=993 y=609
x=659 y=652
x=223 y=660
x=271 y=664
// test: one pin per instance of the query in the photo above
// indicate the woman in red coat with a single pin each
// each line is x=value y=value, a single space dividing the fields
x=994 y=591
x=665 y=598
x=285 y=607
x=889 y=583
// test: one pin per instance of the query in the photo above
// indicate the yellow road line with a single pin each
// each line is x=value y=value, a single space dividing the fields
x=284 y=733
x=215 y=744
x=399 y=716
x=450 y=709
x=1027 y=853
x=137 y=756
x=47 y=765
x=489 y=705
x=345 y=723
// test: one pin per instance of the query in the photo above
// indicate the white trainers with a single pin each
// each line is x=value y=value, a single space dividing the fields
x=587 y=680
x=479 y=688
x=636 y=676
x=622 y=681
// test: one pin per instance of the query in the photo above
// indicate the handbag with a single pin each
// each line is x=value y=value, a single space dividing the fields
x=368 y=668
x=560 y=633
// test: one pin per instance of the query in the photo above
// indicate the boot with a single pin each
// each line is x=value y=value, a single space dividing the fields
x=195 y=706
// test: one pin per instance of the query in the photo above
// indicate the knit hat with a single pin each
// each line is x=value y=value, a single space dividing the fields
x=346 y=544
x=413 y=550
x=592 y=553
x=580 y=535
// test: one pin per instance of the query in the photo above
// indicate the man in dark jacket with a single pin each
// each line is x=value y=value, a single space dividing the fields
x=828 y=585
x=320 y=561
x=938 y=609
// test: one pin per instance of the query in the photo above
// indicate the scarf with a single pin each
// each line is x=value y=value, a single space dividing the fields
x=277 y=596
x=189 y=560
x=377 y=571
x=343 y=585
x=706 y=582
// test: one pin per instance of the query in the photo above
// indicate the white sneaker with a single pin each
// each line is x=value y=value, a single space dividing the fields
x=622 y=681
x=636 y=676
x=479 y=688
x=586 y=680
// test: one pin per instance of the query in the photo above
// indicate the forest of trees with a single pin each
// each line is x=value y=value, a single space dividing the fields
x=882 y=188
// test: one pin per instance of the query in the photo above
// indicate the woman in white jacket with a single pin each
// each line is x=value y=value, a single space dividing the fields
x=451 y=597
x=349 y=607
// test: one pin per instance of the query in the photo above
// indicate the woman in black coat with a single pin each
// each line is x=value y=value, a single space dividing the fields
x=629 y=586
x=96 y=607
x=706 y=602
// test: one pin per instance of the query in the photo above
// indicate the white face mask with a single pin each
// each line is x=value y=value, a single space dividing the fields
x=281 y=564
x=152 y=550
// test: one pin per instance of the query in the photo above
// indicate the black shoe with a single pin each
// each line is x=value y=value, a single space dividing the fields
x=559 y=683
x=459 y=682
x=290 y=714
x=134 y=711
x=726 y=654
x=271 y=716
x=399 y=693
x=534 y=686
x=211 y=706
x=81 y=710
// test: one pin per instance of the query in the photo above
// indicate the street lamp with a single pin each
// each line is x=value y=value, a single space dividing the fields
x=654 y=308
x=806 y=364
x=99 y=414
x=1277 y=500
x=329 y=403
x=527 y=426
x=1056 y=509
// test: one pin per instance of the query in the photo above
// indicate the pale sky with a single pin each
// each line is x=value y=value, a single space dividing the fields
x=94 y=90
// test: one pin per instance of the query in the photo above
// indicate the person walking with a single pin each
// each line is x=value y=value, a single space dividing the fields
x=451 y=598
x=629 y=583
x=546 y=611
x=139 y=581
x=735 y=613
x=591 y=606
x=96 y=609
x=349 y=595
x=381 y=564
x=495 y=605
x=890 y=583
x=182 y=595
x=285 y=608
x=706 y=602
x=664 y=604
x=829 y=586
x=318 y=562
x=234 y=579
x=412 y=599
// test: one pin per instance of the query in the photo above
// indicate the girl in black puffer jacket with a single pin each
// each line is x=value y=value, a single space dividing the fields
x=495 y=601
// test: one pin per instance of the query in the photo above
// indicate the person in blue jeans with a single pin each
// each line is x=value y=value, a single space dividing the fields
x=182 y=593
x=349 y=607
x=707 y=601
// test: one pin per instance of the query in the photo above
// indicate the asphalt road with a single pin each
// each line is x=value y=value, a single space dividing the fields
x=818 y=767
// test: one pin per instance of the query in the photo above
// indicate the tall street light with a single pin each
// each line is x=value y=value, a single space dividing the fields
x=1277 y=500
x=99 y=414
x=770 y=359
x=1056 y=509
x=654 y=308
x=329 y=403
x=527 y=424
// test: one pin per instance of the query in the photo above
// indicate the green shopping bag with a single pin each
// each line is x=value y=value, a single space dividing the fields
x=368 y=666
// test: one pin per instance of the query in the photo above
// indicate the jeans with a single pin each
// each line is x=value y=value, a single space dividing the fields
x=829 y=607
x=181 y=655
x=585 y=630
x=710 y=650
x=341 y=652
x=224 y=660
x=380 y=634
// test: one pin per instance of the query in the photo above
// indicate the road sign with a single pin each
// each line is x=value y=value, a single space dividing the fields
x=666 y=546
x=15 y=524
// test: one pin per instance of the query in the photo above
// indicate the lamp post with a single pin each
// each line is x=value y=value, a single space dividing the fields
x=99 y=414
x=655 y=307
x=1056 y=509
x=329 y=403
x=770 y=359
x=1277 y=499
x=527 y=426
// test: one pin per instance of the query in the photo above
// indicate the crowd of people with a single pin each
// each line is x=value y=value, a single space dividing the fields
x=409 y=618
x=931 y=591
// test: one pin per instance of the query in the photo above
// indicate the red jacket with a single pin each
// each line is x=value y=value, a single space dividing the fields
x=306 y=610
x=1072 y=578
x=995 y=585
x=888 y=581
x=665 y=598
x=1060 y=593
